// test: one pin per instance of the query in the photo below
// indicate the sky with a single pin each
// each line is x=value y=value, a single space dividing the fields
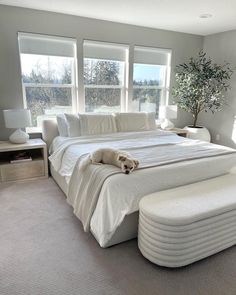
x=147 y=72
x=56 y=63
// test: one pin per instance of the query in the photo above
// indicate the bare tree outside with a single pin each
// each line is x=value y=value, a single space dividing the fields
x=43 y=85
x=48 y=86
x=103 y=80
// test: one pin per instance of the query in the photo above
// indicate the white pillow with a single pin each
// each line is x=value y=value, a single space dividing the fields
x=73 y=125
x=151 y=117
x=132 y=122
x=92 y=124
x=62 y=125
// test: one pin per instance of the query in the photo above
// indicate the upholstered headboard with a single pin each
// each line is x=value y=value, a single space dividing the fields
x=49 y=131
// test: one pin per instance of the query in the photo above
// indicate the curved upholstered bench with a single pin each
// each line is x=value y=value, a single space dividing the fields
x=182 y=225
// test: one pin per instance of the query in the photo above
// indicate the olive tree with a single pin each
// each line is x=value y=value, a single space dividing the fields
x=201 y=85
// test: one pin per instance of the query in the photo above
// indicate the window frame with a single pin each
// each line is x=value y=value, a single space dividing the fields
x=165 y=88
x=127 y=87
x=124 y=85
x=74 y=77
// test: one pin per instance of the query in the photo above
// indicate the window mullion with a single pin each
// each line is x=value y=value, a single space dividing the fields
x=148 y=87
x=45 y=85
x=104 y=86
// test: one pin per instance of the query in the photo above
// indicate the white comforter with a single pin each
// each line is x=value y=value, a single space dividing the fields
x=65 y=151
x=120 y=194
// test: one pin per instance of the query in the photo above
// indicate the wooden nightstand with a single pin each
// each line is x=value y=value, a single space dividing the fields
x=180 y=131
x=37 y=168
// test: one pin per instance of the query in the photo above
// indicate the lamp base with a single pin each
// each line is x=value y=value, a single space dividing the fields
x=19 y=136
x=167 y=125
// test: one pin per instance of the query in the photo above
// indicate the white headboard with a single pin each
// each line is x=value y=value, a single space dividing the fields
x=49 y=131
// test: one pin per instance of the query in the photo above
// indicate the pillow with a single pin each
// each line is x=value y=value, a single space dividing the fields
x=92 y=124
x=73 y=125
x=62 y=125
x=132 y=121
x=151 y=117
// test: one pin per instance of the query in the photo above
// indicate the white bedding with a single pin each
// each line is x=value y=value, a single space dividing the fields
x=120 y=194
x=65 y=151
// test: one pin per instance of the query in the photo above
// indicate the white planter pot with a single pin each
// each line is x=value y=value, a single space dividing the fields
x=200 y=133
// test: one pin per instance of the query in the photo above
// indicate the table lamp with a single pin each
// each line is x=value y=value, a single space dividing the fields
x=166 y=113
x=19 y=118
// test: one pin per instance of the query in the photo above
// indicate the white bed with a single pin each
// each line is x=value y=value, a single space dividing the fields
x=114 y=218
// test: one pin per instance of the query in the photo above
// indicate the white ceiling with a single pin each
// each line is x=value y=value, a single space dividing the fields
x=181 y=16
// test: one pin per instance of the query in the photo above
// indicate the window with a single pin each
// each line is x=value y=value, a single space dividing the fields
x=49 y=77
x=150 y=78
x=48 y=66
x=104 y=76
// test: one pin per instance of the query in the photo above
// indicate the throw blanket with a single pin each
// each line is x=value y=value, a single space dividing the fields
x=85 y=186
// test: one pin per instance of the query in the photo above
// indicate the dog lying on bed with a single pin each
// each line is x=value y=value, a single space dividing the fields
x=114 y=157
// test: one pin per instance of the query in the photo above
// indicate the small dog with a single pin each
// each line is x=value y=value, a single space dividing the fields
x=114 y=157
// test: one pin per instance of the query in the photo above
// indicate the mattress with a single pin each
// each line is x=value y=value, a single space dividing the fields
x=183 y=225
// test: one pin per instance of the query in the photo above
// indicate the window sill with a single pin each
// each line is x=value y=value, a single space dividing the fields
x=31 y=130
x=34 y=132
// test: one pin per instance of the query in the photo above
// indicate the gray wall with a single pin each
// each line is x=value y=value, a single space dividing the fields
x=222 y=47
x=13 y=19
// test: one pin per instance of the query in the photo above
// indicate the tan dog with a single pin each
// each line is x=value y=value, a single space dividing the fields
x=114 y=157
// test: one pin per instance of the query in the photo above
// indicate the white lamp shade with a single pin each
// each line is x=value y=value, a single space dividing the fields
x=19 y=118
x=168 y=112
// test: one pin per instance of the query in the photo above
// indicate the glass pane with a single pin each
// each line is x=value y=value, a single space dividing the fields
x=102 y=100
x=148 y=75
x=46 y=69
x=146 y=100
x=103 y=72
x=46 y=102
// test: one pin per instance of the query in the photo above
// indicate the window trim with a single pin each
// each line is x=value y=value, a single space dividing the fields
x=104 y=86
x=123 y=86
x=164 y=99
x=49 y=85
x=78 y=87
x=74 y=71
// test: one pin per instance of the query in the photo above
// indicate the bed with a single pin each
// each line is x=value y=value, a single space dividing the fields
x=104 y=199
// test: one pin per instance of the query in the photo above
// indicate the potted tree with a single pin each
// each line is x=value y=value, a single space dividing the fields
x=200 y=86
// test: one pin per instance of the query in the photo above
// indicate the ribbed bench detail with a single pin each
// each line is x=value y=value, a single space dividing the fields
x=182 y=225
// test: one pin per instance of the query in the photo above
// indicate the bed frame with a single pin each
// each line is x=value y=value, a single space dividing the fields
x=129 y=227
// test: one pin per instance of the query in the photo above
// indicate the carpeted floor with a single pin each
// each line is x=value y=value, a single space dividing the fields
x=43 y=250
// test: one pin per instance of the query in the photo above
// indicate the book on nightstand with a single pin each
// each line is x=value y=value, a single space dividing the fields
x=21 y=157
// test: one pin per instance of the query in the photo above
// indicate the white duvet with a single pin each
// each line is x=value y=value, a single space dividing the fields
x=65 y=151
x=120 y=194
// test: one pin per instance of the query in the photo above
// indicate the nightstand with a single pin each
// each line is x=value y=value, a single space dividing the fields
x=36 y=168
x=179 y=131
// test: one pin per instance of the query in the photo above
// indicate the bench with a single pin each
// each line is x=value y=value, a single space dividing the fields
x=188 y=223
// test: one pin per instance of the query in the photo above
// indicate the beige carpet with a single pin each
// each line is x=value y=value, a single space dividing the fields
x=43 y=250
